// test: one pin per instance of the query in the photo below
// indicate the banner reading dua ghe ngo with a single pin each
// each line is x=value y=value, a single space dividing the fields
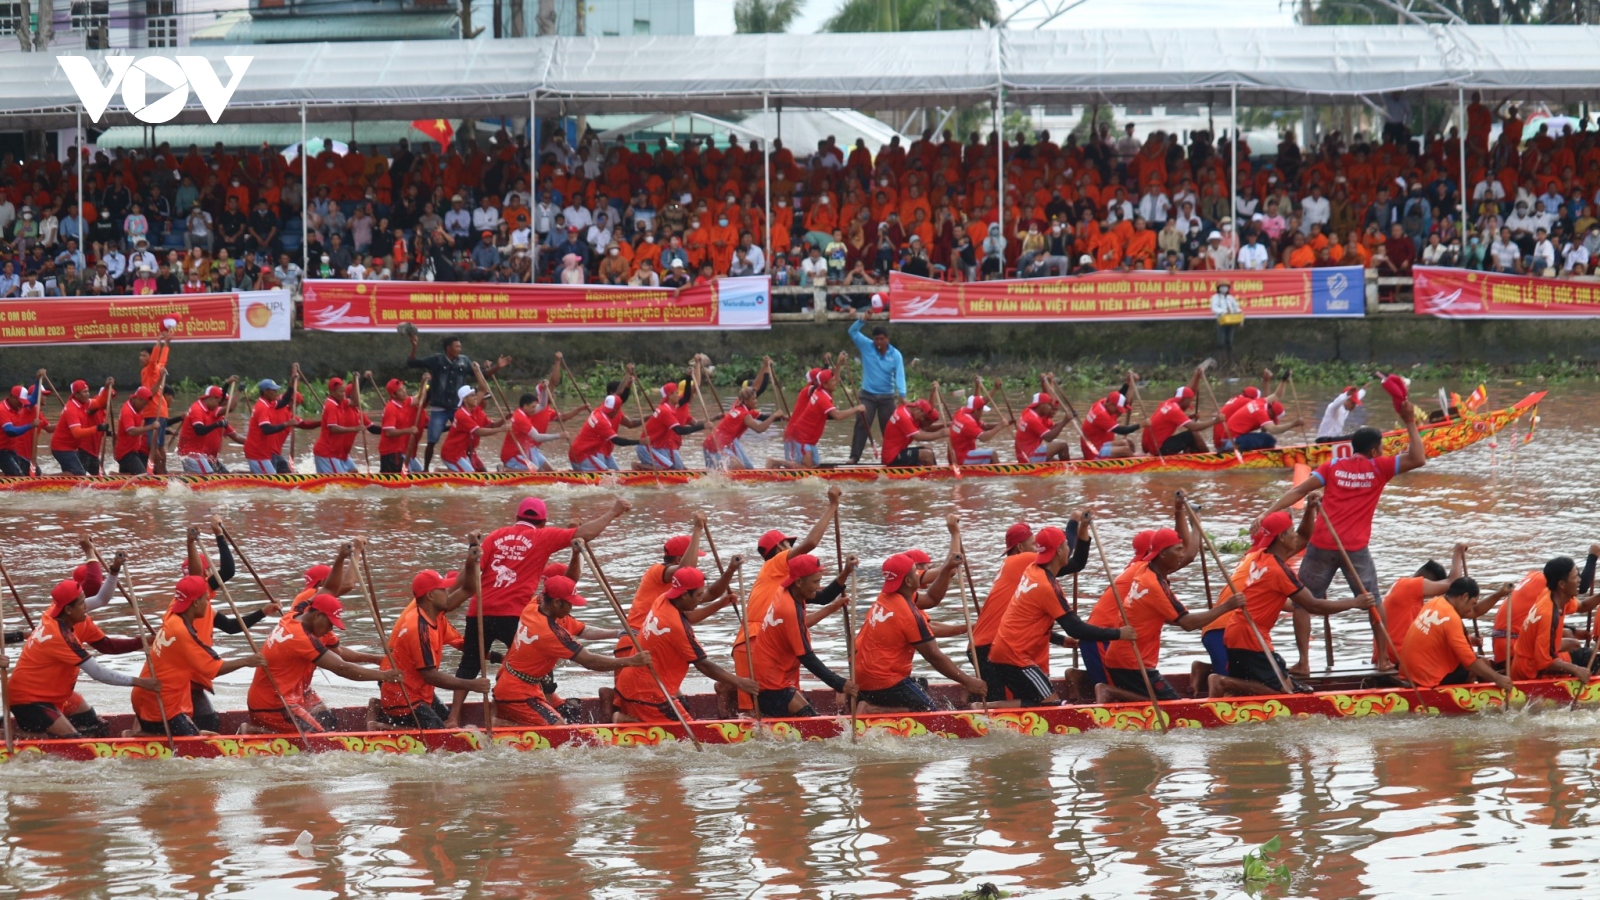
x=241 y=316
x=729 y=303
x=1464 y=294
x=1112 y=296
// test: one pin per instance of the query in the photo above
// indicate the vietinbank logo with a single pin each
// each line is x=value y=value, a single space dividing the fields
x=176 y=75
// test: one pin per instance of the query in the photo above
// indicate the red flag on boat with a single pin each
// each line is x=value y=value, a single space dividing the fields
x=436 y=129
x=1477 y=398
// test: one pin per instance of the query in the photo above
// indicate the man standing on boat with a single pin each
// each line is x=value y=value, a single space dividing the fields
x=1351 y=489
x=450 y=369
x=513 y=560
x=883 y=382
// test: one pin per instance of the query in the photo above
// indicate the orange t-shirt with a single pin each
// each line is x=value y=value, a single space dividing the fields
x=47 y=671
x=768 y=584
x=542 y=642
x=181 y=659
x=150 y=377
x=1436 y=645
x=780 y=642
x=1401 y=606
x=1538 y=640
x=652 y=587
x=995 y=605
x=1267 y=585
x=416 y=643
x=666 y=635
x=1150 y=606
x=291 y=654
x=884 y=645
x=1531 y=589
x=1023 y=638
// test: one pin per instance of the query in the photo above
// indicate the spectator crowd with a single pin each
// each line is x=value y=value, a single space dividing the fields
x=610 y=213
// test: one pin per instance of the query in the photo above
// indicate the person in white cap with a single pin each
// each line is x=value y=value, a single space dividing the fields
x=468 y=426
x=1337 y=422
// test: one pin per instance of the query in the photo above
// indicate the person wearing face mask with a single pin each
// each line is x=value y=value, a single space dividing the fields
x=821 y=219
x=1474 y=254
x=721 y=240
x=614 y=267
x=1225 y=307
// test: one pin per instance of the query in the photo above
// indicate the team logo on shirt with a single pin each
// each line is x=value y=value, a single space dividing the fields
x=1428 y=619
x=1256 y=574
x=652 y=626
x=771 y=620
x=503 y=575
x=1026 y=584
x=524 y=636
x=1534 y=617
x=1136 y=591
x=162 y=642
x=879 y=615
x=278 y=636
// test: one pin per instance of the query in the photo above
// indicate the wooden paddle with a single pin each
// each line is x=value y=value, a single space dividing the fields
x=361 y=413
x=1055 y=391
x=383 y=633
x=616 y=607
x=246 y=560
x=5 y=684
x=131 y=591
x=966 y=613
x=1255 y=630
x=421 y=422
x=849 y=632
x=250 y=639
x=949 y=437
x=644 y=433
x=1010 y=413
x=862 y=417
x=28 y=617
x=744 y=620
x=1206 y=380
x=778 y=387
x=577 y=387
x=294 y=412
x=1116 y=594
x=1299 y=411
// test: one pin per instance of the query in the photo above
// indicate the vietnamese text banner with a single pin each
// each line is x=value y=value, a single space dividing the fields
x=1465 y=294
x=728 y=303
x=1111 y=296
x=241 y=316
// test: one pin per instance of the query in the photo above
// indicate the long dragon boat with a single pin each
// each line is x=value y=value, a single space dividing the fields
x=1447 y=436
x=1353 y=696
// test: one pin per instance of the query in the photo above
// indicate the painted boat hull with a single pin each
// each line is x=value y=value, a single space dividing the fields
x=1353 y=703
x=1446 y=437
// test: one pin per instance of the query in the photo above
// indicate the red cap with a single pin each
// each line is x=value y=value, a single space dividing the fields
x=1271 y=527
x=669 y=388
x=335 y=383
x=1184 y=393
x=19 y=392
x=79 y=385
x=1253 y=393
x=976 y=402
x=1141 y=545
x=317 y=574
x=329 y=605
x=63 y=594
x=532 y=509
x=687 y=579
x=560 y=587
x=1354 y=393
x=212 y=391
x=1399 y=391
x=919 y=556
x=823 y=376
x=770 y=541
x=927 y=409
x=1049 y=540
x=895 y=570
x=1039 y=398
x=1274 y=409
x=802 y=566
x=1116 y=401
x=554 y=570
x=677 y=545
x=189 y=589
x=143 y=393
x=394 y=386
x=1161 y=540
x=425 y=581
x=1017 y=534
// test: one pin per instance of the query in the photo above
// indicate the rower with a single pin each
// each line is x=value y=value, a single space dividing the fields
x=1019 y=553
x=1341 y=414
x=1540 y=649
x=530 y=424
x=967 y=430
x=678 y=551
x=1171 y=431
x=722 y=447
x=1268 y=585
x=783 y=644
x=337 y=580
x=416 y=645
x=341 y=422
x=181 y=661
x=402 y=419
x=813 y=410
x=666 y=427
x=1251 y=392
x=1436 y=651
x=271 y=419
x=76 y=441
x=17 y=415
x=1147 y=602
x=669 y=639
x=777 y=550
x=43 y=701
x=1533 y=588
x=202 y=430
x=913 y=421
x=1024 y=633
x=1103 y=437
x=1351 y=488
x=1406 y=597
x=469 y=424
x=208 y=620
x=514 y=558
x=591 y=448
x=1256 y=426
x=132 y=447
x=892 y=629
x=1037 y=438
x=292 y=654
x=545 y=638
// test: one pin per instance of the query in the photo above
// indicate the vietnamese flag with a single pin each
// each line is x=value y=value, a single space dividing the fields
x=437 y=129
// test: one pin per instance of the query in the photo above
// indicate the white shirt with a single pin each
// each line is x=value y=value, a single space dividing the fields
x=578 y=217
x=523 y=235
x=1315 y=211
x=116 y=263
x=356 y=272
x=31 y=291
x=758 y=259
x=1155 y=207
x=1544 y=254
x=1253 y=256
x=458 y=222
x=815 y=271
x=1574 y=254
x=1223 y=304
x=1333 y=419
x=1490 y=189
x=1505 y=253
x=485 y=219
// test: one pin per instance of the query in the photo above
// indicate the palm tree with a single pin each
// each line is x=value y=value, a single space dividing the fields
x=765 y=16
x=913 y=15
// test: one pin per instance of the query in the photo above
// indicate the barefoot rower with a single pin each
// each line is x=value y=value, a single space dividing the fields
x=531 y=424
x=891 y=630
x=1149 y=604
x=18 y=414
x=43 y=700
x=1269 y=585
x=1541 y=649
x=679 y=551
x=272 y=418
x=592 y=447
x=181 y=661
x=202 y=430
x=292 y=654
x=76 y=441
x=1103 y=437
x=1406 y=597
x=469 y=424
x=1436 y=651
x=669 y=640
x=967 y=430
x=1171 y=431
x=514 y=558
x=208 y=620
x=544 y=638
x=723 y=446
x=417 y=644
x=1038 y=434
x=1024 y=634
x=783 y=644
x=402 y=420
x=1020 y=553
x=1256 y=426
x=132 y=448
x=813 y=410
x=341 y=422
x=672 y=420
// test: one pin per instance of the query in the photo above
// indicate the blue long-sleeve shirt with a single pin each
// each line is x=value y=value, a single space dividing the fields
x=881 y=373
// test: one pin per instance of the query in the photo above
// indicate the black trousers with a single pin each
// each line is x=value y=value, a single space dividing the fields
x=879 y=406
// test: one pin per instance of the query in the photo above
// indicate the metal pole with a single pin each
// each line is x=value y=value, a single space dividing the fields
x=766 y=190
x=533 y=186
x=1000 y=145
x=83 y=246
x=1461 y=134
x=305 y=204
x=1233 y=172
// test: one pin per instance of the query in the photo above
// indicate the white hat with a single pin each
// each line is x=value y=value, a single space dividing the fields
x=464 y=391
x=1214 y=236
x=1085 y=260
x=169 y=323
x=677 y=263
x=877 y=302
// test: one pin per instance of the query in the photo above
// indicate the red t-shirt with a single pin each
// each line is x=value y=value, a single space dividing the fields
x=517 y=440
x=190 y=443
x=886 y=641
x=897 y=434
x=462 y=437
x=513 y=559
x=1031 y=429
x=1164 y=424
x=1228 y=409
x=1249 y=417
x=130 y=443
x=810 y=418
x=730 y=428
x=658 y=428
x=398 y=415
x=258 y=445
x=1097 y=429
x=594 y=438
x=1353 y=486
x=74 y=418
x=330 y=445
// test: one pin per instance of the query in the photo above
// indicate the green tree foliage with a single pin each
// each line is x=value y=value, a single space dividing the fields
x=765 y=16
x=913 y=15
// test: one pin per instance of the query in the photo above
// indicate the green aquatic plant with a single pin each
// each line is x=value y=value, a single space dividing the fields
x=983 y=891
x=1258 y=870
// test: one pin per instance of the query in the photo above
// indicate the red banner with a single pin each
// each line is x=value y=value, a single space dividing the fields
x=244 y=316
x=728 y=303
x=1464 y=294
x=1109 y=296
